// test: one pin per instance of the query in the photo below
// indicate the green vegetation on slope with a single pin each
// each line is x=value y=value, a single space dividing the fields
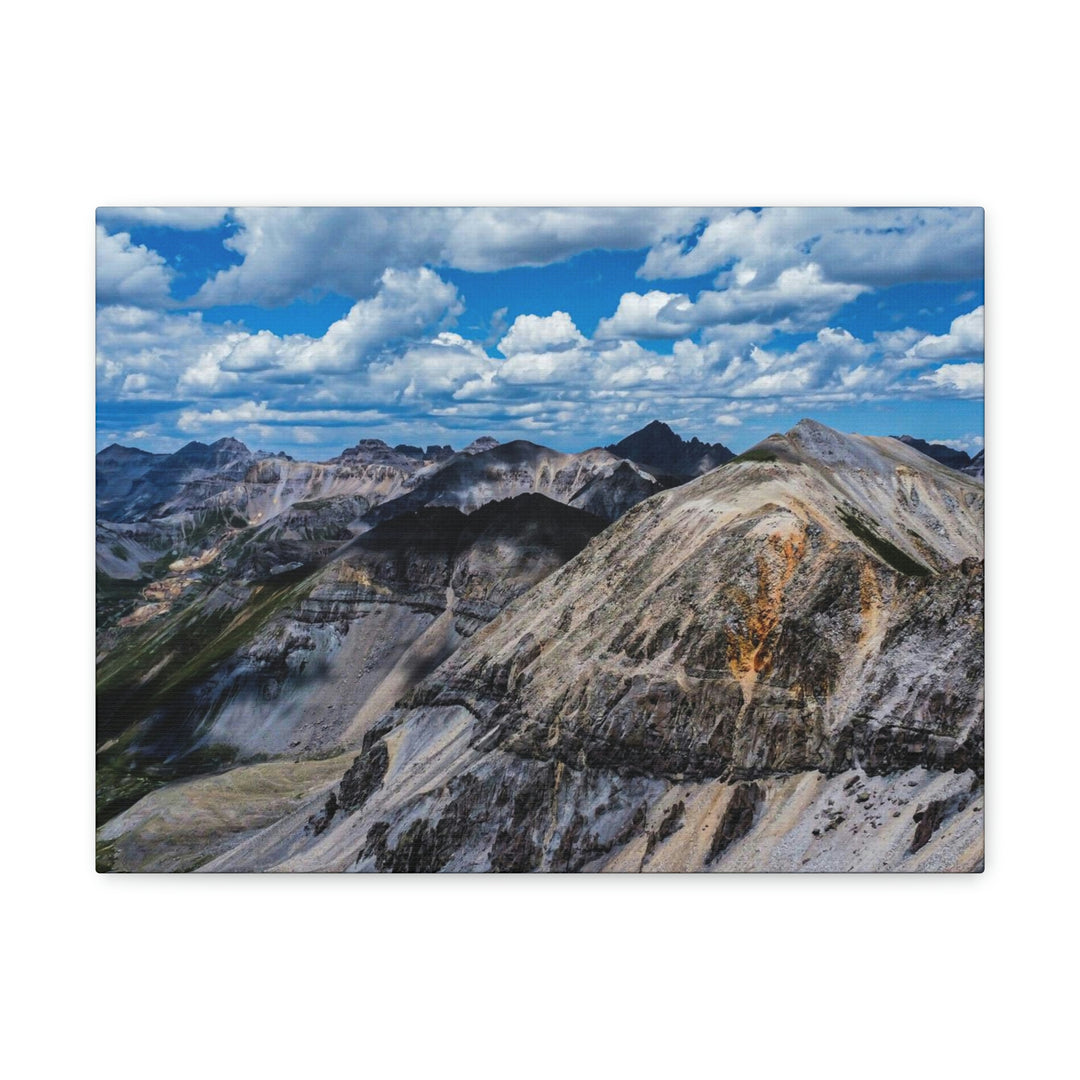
x=114 y=597
x=121 y=780
x=154 y=672
x=159 y=660
x=889 y=553
x=756 y=453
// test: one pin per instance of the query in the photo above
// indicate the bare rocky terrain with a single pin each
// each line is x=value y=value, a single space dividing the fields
x=774 y=666
x=594 y=480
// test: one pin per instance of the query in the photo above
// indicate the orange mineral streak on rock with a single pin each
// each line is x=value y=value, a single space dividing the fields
x=750 y=653
x=869 y=602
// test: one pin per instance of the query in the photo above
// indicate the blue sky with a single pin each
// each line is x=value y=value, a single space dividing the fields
x=305 y=330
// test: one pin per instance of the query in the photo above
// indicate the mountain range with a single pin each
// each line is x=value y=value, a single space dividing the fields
x=947 y=455
x=512 y=658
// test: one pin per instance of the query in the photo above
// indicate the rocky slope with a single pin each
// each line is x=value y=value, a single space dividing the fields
x=976 y=467
x=776 y=666
x=117 y=470
x=212 y=645
x=300 y=663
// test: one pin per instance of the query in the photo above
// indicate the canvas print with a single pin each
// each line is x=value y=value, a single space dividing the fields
x=559 y=540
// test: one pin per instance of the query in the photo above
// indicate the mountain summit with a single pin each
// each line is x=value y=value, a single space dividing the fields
x=481 y=445
x=656 y=446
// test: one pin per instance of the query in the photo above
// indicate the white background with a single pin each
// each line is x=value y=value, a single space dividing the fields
x=772 y=103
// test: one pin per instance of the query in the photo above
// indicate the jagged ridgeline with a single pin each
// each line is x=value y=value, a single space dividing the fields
x=658 y=656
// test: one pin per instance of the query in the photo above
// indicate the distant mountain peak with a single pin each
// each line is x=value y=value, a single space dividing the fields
x=230 y=445
x=116 y=451
x=404 y=455
x=658 y=447
x=377 y=452
x=212 y=453
x=481 y=445
x=955 y=459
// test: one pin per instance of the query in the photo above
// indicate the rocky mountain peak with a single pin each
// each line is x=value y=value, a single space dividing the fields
x=955 y=459
x=372 y=451
x=114 y=452
x=825 y=444
x=659 y=430
x=657 y=447
x=845 y=457
x=229 y=446
x=479 y=446
x=203 y=455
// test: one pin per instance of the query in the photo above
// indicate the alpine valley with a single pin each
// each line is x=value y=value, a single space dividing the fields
x=657 y=656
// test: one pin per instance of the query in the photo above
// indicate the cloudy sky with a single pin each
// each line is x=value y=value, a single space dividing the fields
x=305 y=330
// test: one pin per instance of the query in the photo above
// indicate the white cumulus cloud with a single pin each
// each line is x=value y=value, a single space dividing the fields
x=875 y=247
x=291 y=252
x=797 y=298
x=541 y=333
x=955 y=380
x=640 y=316
x=408 y=304
x=964 y=339
x=130 y=273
